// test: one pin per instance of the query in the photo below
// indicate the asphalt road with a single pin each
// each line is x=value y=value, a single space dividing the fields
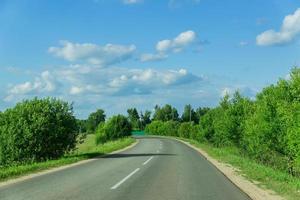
x=154 y=169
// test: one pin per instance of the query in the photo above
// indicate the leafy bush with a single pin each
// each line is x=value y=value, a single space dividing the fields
x=36 y=130
x=116 y=127
x=162 y=128
x=185 y=129
x=154 y=128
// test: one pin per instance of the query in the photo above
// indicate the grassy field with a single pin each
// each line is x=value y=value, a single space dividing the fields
x=266 y=177
x=87 y=149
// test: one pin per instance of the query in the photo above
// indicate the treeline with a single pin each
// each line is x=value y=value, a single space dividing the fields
x=137 y=121
x=266 y=129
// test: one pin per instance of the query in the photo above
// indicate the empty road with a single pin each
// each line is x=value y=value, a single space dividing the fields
x=156 y=169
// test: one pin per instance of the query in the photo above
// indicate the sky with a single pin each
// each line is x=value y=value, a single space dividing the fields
x=117 y=54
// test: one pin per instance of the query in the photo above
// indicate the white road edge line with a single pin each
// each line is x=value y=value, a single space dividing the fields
x=124 y=179
x=147 y=160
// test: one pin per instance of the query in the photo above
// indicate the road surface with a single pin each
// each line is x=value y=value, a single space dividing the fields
x=154 y=169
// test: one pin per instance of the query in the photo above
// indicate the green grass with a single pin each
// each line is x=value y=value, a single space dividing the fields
x=279 y=181
x=86 y=150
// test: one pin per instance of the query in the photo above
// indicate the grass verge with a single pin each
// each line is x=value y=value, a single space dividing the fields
x=266 y=177
x=86 y=150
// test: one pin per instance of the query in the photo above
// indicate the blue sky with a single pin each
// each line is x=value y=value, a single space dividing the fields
x=115 y=54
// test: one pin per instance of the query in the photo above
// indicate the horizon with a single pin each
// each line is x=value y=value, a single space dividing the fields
x=120 y=54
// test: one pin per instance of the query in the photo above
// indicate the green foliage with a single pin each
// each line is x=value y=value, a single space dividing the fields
x=145 y=118
x=116 y=127
x=82 y=125
x=36 y=130
x=162 y=128
x=189 y=115
x=187 y=130
x=154 y=128
x=266 y=129
x=272 y=132
x=134 y=118
x=166 y=113
x=200 y=112
x=94 y=119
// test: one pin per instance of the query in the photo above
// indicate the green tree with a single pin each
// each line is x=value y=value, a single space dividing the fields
x=36 y=130
x=145 y=118
x=166 y=113
x=189 y=115
x=82 y=125
x=94 y=119
x=134 y=118
x=200 y=112
x=116 y=127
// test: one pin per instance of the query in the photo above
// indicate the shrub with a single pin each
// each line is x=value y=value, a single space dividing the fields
x=162 y=128
x=154 y=128
x=116 y=127
x=188 y=130
x=36 y=130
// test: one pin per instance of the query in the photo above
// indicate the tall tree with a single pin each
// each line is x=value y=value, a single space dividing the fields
x=166 y=113
x=134 y=118
x=200 y=112
x=145 y=118
x=94 y=119
x=189 y=115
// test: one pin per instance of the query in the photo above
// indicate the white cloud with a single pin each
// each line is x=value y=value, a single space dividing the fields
x=93 y=80
x=92 y=53
x=290 y=29
x=42 y=84
x=178 y=43
x=117 y=88
x=132 y=1
x=174 y=45
x=163 y=45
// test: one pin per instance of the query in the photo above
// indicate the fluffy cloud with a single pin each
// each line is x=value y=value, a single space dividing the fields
x=113 y=81
x=174 y=45
x=92 y=53
x=117 y=88
x=178 y=43
x=290 y=29
x=44 y=83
